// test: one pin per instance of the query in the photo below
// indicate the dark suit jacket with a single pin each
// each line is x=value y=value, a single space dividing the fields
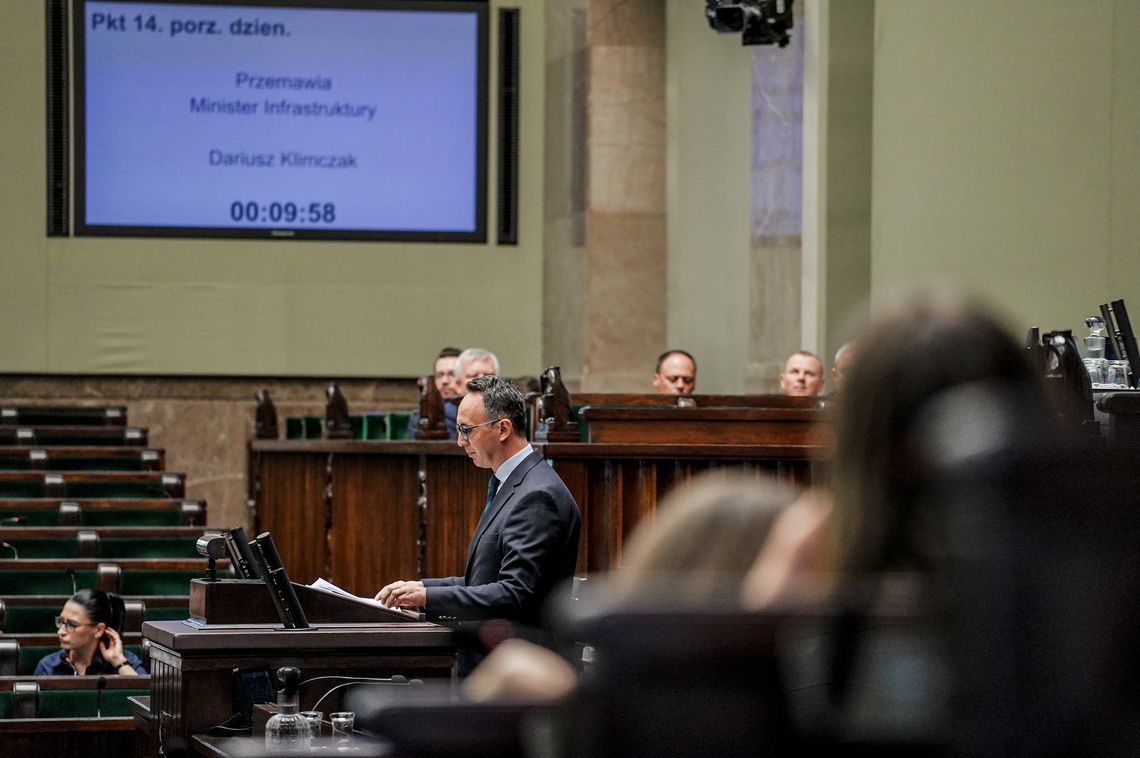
x=526 y=543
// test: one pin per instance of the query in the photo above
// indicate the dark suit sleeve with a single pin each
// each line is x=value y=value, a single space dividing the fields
x=446 y=581
x=524 y=553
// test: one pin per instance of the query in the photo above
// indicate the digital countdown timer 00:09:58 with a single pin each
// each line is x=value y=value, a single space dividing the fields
x=254 y=212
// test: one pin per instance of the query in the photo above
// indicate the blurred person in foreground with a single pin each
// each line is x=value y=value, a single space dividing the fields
x=693 y=553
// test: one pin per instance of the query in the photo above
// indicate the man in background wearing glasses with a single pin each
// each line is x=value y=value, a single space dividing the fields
x=526 y=541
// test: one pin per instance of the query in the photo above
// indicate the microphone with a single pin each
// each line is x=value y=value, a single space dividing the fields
x=100 y=685
x=10 y=546
x=71 y=573
x=11 y=521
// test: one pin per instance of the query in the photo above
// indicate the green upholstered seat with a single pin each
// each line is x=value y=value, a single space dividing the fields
x=5 y=705
x=55 y=704
x=148 y=582
x=30 y=619
x=109 y=547
x=129 y=517
x=48 y=582
x=167 y=613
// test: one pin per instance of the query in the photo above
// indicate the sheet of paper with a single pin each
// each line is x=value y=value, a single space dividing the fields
x=327 y=586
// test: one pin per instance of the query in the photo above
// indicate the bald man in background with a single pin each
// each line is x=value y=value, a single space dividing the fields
x=676 y=373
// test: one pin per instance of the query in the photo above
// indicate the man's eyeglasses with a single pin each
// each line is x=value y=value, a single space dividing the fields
x=466 y=429
x=61 y=622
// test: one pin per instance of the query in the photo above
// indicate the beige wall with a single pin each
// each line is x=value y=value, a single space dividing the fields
x=89 y=305
x=1006 y=152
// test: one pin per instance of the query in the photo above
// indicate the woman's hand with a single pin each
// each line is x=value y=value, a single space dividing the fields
x=113 y=653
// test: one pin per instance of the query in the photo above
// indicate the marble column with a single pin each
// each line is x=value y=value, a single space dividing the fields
x=625 y=260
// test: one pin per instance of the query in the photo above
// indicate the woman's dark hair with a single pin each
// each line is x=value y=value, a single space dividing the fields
x=102 y=607
x=930 y=342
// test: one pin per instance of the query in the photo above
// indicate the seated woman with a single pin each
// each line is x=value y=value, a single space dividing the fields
x=89 y=642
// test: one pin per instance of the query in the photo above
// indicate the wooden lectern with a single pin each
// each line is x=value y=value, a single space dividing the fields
x=192 y=662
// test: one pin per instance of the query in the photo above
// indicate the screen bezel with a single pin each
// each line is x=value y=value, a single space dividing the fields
x=79 y=135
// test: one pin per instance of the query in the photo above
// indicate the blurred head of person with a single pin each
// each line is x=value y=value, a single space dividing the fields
x=471 y=364
x=675 y=374
x=842 y=365
x=701 y=542
x=444 y=372
x=927 y=343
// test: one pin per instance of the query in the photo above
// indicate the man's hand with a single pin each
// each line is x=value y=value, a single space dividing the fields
x=403 y=595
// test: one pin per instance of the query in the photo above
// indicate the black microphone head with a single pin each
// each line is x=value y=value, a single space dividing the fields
x=101 y=682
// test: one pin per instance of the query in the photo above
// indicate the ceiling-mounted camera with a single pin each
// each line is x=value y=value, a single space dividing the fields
x=761 y=22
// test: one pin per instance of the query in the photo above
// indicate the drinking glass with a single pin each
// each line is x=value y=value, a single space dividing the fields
x=342 y=722
x=314 y=718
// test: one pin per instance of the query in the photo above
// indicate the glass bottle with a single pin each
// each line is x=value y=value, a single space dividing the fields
x=288 y=730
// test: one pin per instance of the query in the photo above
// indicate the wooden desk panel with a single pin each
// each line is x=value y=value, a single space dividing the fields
x=191 y=669
x=378 y=530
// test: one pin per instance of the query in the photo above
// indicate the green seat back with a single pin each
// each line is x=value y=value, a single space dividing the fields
x=6 y=704
x=166 y=613
x=46 y=547
x=47 y=582
x=114 y=489
x=22 y=489
x=149 y=582
x=57 y=704
x=38 y=517
x=36 y=619
x=150 y=547
x=30 y=656
x=130 y=517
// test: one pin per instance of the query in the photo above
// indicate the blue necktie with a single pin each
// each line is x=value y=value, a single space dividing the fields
x=492 y=488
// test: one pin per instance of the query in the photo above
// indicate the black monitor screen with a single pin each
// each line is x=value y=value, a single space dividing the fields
x=277 y=118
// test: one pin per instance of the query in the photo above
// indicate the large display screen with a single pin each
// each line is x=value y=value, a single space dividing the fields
x=349 y=120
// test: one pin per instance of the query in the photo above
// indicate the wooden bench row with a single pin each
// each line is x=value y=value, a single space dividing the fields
x=81 y=458
x=33 y=614
x=19 y=657
x=99 y=542
x=92 y=484
x=126 y=576
x=68 y=415
x=73 y=435
x=29 y=512
x=37 y=697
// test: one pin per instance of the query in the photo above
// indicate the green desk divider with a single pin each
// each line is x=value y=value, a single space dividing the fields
x=398 y=425
x=304 y=427
x=30 y=656
x=52 y=582
x=56 y=704
x=375 y=426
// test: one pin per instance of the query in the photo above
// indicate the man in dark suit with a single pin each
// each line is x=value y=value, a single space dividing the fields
x=526 y=541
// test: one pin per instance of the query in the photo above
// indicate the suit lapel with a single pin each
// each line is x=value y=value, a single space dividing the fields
x=502 y=497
